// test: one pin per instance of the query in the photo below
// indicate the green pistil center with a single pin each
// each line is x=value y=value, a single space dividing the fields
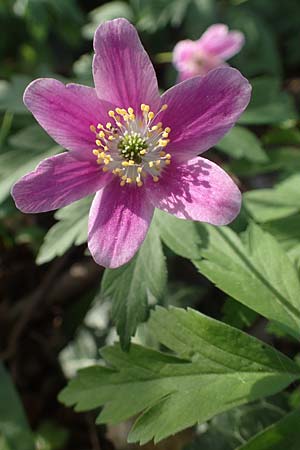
x=131 y=145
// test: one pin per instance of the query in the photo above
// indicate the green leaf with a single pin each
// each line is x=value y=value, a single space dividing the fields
x=31 y=146
x=11 y=94
x=179 y=235
x=237 y=315
x=233 y=428
x=268 y=104
x=70 y=229
x=256 y=272
x=132 y=286
x=284 y=434
x=270 y=204
x=287 y=232
x=158 y=14
x=13 y=423
x=218 y=367
x=108 y=11
x=282 y=136
x=50 y=436
x=242 y=143
x=285 y=158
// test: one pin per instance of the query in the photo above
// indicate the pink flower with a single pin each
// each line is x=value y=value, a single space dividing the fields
x=214 y=47
x=134 y=149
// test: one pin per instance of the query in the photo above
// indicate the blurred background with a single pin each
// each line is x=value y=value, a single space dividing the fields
x=53 y=314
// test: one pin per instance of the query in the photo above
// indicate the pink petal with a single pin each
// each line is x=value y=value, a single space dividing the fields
x=198 y=190
x=202 y=109
x=218 y=41
x=183 y=53
x=191 y=61
x=66 y=113
x=57 y=182
x=123 y=72
x=119 y=220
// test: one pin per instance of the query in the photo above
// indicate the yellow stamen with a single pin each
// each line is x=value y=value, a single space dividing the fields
x=93 y=128
x=155 y=179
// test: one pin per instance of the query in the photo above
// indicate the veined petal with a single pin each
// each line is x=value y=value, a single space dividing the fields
x=198 y=190
x=119 y=220
x=202 y=109
x=123 y=72
x=66 y=113
x=219 y=41
x=57 y=182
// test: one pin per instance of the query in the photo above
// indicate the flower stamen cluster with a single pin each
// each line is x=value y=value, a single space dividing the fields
x=132 y=147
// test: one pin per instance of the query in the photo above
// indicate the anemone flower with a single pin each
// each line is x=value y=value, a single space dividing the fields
x=136 y=150
x=214 y=47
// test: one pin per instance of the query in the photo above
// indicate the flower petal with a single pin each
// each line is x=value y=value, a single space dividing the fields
x=183 y=53
x=123 y=72
x=218 y=41
x=198 y=190
x=66 y=113
x=202 y=109
x=191 y=61
x=119 y=220
x=57 y=182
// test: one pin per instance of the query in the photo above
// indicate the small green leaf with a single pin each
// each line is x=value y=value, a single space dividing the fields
x=108 y=11
x=70 y=229
x=242 y=143
x=268 y=104
x=13 y=423
x=255 y=272
x=132 y=286
x=51 y=436
x=237 y=315
x=28 y=148
x=11 y=94
x=181 y=236
x=228 y=430
x=287 y=232
x=270 y=204
x=217 y=367
x=282 y=435
x=285 y=158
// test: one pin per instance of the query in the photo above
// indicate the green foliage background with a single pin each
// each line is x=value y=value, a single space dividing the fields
x=229 y=367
